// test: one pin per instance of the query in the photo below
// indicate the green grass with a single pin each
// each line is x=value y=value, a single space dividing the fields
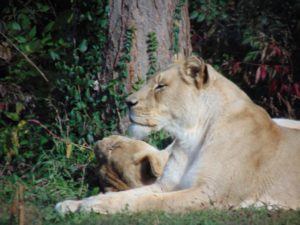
x=41 y=195
x=54 y=178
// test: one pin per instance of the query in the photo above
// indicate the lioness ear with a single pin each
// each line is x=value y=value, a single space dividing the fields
x=195 y=71
x=155 y=163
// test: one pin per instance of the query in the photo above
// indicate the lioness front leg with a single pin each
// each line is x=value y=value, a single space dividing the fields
x=91 y=203
x=131 y=201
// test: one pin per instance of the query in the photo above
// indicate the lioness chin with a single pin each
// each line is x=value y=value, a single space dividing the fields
x=227 y=151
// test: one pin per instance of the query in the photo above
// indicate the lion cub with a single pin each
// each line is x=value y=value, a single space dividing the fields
x=125 y=163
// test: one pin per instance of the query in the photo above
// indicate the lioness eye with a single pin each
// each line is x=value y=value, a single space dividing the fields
x=160 y=86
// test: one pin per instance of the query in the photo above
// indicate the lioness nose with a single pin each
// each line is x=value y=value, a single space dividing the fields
x=131 y=101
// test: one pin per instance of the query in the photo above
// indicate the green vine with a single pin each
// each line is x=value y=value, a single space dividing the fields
x=122 y=65
x=176 y=24
x=152 y=53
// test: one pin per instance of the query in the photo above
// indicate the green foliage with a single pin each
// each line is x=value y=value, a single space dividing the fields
x=159 y=139
x=47 y=130
x=152 y=54
x=66 y=41
x=176 y=26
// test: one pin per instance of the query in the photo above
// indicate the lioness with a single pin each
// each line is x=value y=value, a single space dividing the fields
x=125 y=163
x=227 y=151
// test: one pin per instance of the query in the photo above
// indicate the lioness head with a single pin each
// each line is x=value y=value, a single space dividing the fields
x=167 y=98
x=126 y=163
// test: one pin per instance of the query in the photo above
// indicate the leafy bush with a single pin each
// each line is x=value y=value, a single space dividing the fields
x=254 y=42
x=56 y=61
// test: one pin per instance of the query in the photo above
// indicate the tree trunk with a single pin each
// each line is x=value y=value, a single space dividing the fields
x=142 y=18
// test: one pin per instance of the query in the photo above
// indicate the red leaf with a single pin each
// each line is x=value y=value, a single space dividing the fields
x=297 y=89
x=236 y=67
x=257 y=75
x=273 y=87
x=261 y=73
x=276 y=51
x=277 y=68
x=3 y=106
x=286 y=69
x=285 y=88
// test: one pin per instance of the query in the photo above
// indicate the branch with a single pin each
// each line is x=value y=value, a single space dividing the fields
x=26 y=57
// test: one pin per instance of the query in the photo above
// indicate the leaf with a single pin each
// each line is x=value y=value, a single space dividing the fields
x=236 y=67
x=32 y=32
x=43 y=140
x=88 y=15
x=47 y=39
x=251 y=56
x=273 y=86
x=21 y=124
x=42 y=7
x=276 y=51
x=12 y=116
x=49 y=26
x=264 y=53
x=83 y=46
x=104 y=98
x=19 y=107
x=24 y=21
x=261 y=73
x=15 y=26
x=15 y=139
x=90 y=138
x=201 y=17
x=297 y=89
x=257 y=75
x=21 y=39
x=69 y=150
x=70 y=18
x=54 y=56
x=194 y=15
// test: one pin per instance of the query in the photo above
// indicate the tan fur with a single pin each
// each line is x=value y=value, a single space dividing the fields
x=227 y=151
x=125 y=163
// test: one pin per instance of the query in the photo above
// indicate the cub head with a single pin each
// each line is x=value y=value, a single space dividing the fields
x=125 y=163
x=168 y=99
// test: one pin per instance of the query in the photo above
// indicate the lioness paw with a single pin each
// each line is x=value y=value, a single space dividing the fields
x=103 y=204
x=68 y=206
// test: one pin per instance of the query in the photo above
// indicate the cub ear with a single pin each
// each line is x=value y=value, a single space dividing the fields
x=195 y=71
x=155 y=164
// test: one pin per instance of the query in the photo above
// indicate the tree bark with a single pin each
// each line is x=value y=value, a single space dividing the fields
x=144 y=17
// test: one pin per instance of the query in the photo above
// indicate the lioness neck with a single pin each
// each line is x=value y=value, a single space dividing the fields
x=213 y=105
